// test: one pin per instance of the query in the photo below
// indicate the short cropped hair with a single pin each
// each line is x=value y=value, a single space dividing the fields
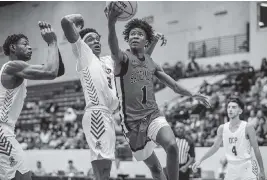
x=13 y=39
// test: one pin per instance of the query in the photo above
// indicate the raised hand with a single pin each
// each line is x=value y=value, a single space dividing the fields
x=47 y=32
x=202 y=99
x=161 y=37
x=113 y=12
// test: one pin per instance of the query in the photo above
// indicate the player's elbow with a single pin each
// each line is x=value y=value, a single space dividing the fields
x=65 y=22
x=51 y=75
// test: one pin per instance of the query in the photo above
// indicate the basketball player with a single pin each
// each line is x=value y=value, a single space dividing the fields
x=97 y=79
x=143 y=124
x=14 y=75
x=239 y=138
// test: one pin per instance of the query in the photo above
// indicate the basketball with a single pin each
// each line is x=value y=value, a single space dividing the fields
x=129 y=9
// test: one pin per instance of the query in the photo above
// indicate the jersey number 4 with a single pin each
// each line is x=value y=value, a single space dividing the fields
x=144 y=95
x=234 y=151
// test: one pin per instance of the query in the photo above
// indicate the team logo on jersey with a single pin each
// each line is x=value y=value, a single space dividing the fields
x=108 y=70
x=98 y=145
x=12 y=161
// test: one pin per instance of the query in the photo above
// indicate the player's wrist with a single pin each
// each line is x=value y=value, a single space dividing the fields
x=53 y=43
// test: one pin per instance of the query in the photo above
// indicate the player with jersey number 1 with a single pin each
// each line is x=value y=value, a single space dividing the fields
x=239 y=139
x=142 y=122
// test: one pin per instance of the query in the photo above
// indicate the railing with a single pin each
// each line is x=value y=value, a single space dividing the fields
x=219 y=46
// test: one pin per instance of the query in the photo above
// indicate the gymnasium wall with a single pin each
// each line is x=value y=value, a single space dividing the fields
x=57 y=160
x=258 y=37
x=190 y=16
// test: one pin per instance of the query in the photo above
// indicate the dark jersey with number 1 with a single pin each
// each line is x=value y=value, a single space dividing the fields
x=136 y=89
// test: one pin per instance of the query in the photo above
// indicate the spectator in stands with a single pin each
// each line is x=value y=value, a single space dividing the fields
x=40 y=171
x=264 y=66
x=204 y=49
x=79 y=104
x=192 y=67
x=253 y=119
x=69 y=117
x=45 y=138
x=71 y=169
x=179 y=70
x=242 y=82
x=168 y=69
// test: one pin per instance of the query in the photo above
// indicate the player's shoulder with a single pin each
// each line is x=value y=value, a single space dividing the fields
x=107 y=60
x=220 y=129
x=13 y=66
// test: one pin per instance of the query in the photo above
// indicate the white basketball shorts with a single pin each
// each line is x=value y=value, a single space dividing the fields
x=12 y=158
x=99 y=129
x=247 y=170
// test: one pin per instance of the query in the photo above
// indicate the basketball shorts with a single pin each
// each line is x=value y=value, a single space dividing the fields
x=12 y=158
x=141 y=136
x=99 y=130
x=247 y=170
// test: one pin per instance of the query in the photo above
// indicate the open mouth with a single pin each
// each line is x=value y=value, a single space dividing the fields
x=97 y=47
x=134 y=42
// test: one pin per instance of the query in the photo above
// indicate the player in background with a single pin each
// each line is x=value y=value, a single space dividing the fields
x=14 y=75
x=239 y=138
x=97 y=79
x=143 y=124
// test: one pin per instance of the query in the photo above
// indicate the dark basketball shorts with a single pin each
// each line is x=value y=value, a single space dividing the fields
x=141 y=136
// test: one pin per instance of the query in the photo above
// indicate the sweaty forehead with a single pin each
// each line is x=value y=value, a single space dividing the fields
x=23 y=40
x=92 y=35
x=233 y=104
x=138 y=30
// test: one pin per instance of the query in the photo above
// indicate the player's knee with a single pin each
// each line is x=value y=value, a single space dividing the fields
x=172 y=147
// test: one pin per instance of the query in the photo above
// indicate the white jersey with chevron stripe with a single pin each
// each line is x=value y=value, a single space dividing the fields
x=11 y=104
x=97 y=77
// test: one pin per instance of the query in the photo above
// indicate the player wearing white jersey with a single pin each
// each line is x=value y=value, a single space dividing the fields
x=14 y=75
x=97 y=79
x=239 y=139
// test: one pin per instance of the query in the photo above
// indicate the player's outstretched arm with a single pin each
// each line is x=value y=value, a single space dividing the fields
x=170 y=82
x=213 y=149
x=70 y=25
x=176 y=87
x=254 y=143
x=113 y=43
x=149 y=50
x=49 y=70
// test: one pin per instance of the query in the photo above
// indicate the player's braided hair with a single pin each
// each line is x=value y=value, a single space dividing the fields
x=138 y=23
x=13 y=39
x=85 y=31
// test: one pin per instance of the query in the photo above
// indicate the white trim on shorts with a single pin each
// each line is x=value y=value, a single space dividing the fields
x=152 y=133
